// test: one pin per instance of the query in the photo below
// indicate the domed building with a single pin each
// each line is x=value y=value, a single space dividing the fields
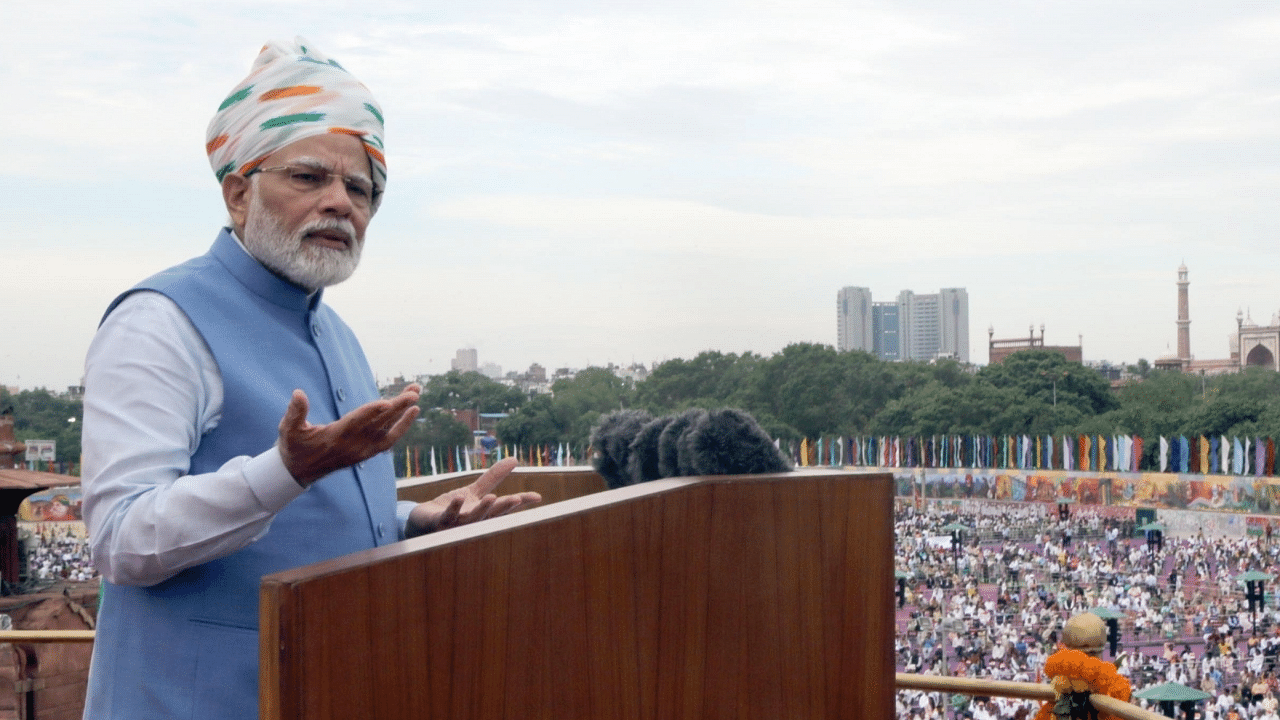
x=1258 y=346
x=1251 y=345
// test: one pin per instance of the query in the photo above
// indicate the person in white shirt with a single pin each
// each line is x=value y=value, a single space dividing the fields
x=194 y=485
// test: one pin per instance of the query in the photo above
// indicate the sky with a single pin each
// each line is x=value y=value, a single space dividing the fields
x=582 y=183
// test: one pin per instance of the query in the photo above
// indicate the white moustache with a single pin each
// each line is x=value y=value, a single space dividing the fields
x=331 y=226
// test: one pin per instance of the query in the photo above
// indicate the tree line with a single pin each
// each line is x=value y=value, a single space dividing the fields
x=811 y=390
x=41 y=415
x=808 y=391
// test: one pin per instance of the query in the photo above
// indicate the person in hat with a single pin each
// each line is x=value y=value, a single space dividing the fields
x=232 y=426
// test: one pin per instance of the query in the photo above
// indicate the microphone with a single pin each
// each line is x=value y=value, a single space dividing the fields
x=631 y=446
x=669 y=464
x=729 y=442
x=611 y=439
x=642 y=462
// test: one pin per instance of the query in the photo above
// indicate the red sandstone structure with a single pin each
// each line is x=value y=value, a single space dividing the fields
x=998 y=350
x=11 y=450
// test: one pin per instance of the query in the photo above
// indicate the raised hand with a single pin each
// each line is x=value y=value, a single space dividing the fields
x=312 y=451
x=469 y=504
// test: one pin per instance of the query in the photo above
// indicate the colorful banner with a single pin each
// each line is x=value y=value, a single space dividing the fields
x=1165 y=491
x=55 y=504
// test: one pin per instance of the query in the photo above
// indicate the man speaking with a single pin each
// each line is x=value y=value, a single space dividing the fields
x=232 y=424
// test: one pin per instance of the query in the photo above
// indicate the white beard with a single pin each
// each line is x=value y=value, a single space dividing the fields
x=301 y=263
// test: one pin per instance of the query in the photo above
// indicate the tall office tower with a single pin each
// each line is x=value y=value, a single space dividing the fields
x=1184 y=317
x=914 y=327
x=465 y=360
x=953 y=308
x=921 y=326
x=853 y=319
x=886 y=332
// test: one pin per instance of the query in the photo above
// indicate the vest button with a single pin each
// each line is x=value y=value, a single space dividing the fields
x=382 y=529
x=342 y=394
x=315 y=329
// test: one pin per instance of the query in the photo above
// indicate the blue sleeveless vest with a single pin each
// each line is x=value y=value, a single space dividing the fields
x=188 y=647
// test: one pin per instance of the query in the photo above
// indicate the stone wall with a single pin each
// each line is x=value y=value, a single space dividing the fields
x=47 y=681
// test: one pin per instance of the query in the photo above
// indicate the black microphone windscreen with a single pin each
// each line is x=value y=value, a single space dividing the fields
x=668 y=442
x=611 y=440
x=642 y=458
x=731 y=442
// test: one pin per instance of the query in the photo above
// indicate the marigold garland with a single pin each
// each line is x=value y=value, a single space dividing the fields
x=1072 y=670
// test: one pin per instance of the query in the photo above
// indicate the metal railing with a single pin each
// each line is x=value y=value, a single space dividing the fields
x=903 y=681
x=46 y=636
x=1023 y=690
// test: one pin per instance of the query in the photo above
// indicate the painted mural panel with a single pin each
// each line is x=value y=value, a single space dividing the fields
x=1166 y=491
x=56 y=504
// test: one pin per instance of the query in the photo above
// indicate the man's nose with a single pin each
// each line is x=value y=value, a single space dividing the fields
x=334 y=196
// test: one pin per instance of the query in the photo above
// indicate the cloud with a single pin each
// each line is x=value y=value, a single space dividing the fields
x=650 y=179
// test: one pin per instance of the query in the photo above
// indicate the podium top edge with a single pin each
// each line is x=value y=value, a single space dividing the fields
x=551 y=512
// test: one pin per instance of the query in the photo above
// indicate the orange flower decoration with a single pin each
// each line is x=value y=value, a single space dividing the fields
x=1067 y=665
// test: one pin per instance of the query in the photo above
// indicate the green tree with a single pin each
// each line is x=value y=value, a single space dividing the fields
x=1053 y=380
x=1159 y=405
x=813 y=390
x=1224 y=416
x=40 y=415
x=975 y=408
x=569 y=412
x=457 y=390
x=533 y=424
x=577 y=403
x=1142 y=369
x=1254 y=383
x=710 y=380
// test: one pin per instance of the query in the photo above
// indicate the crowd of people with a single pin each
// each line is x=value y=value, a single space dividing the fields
x=991 y=602
x=993 y=605
x=57 y=552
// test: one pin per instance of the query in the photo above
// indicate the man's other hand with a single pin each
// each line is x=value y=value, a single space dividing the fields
x=312 y=451
x=469 y=504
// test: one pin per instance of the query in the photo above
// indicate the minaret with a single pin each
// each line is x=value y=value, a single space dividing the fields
x=1184 y=317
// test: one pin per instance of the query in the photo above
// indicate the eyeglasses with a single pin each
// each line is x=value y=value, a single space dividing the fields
x=309 y=178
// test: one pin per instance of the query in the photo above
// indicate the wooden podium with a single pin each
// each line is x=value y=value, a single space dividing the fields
x=764 y=596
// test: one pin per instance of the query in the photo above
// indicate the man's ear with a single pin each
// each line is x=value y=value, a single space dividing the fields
x=236 y=191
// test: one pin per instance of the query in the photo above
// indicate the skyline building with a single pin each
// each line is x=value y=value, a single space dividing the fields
x=886 y=331
x=466 y=360
x=912 y=327
x=853 y=319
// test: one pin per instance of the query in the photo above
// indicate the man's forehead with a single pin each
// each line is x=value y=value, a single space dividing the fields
x=331 y=152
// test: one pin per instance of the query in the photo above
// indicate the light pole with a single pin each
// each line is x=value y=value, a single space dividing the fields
x=1054 y=379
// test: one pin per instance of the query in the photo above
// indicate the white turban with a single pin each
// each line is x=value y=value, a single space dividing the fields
x=293 y=91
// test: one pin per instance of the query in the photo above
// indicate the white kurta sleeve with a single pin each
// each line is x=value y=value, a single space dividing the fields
x=152 y=390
